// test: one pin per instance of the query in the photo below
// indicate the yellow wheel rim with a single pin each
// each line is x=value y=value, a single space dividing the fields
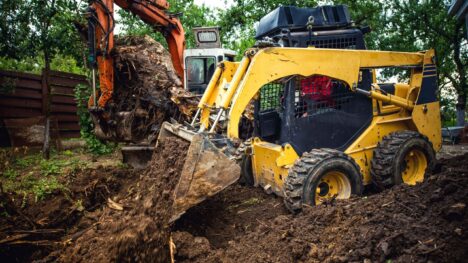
x=333 y=184
x=414 y=167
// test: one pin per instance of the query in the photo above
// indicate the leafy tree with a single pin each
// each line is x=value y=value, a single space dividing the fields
x=399 y=25
x=238 y=22
x=40 y=28
x=14 y=29
x=190 y=15
x=45 y=17
x=418 y=25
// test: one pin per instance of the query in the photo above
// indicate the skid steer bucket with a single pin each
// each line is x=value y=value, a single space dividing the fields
x=207 y=170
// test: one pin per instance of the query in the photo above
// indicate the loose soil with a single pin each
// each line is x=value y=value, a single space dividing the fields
x=108 y=216
x=32 y=230
x=426 y=222
x=139 y=230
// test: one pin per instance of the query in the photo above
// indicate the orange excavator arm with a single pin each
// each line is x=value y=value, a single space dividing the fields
x=101 y=26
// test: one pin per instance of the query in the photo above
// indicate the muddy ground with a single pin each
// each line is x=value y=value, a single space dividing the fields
x=428 y=222
x=425 y=223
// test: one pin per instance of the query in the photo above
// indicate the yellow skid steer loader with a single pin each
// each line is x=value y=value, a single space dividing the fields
x=323 y=126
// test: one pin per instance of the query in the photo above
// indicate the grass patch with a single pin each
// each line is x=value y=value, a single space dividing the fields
x=46 y=186
x=27 y=161
x=10 y=173
x=30 y=175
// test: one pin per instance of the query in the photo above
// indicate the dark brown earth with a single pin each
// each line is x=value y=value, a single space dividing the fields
x=30 y=230
x=141 y=231
x=427 y=222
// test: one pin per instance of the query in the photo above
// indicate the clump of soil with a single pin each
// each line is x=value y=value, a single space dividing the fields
x=147 y=91
x=140 y=230
x=426 y=222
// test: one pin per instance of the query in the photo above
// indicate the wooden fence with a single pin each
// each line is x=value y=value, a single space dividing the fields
x=25 y=96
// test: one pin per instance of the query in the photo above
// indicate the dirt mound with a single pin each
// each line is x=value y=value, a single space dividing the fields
x=147 y=91
x=31 y=230
x=423 y=223
x=137 y=229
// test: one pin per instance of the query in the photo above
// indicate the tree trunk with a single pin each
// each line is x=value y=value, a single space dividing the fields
x=461 y=110
x=46 y=145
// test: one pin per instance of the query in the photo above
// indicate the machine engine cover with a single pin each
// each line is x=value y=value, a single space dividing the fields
x=295 y=19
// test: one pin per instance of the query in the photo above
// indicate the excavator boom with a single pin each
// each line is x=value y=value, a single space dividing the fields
x=101 y=25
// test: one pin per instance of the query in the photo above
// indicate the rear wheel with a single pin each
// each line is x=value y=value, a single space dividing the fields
x=321 y=175
x=402 y=157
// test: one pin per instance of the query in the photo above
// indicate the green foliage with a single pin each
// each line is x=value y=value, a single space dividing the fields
x=50 y=167
x=14 y=30
x=10 y=173
x=34 y=30
x=31 y=175
x=122 y=165
x=35 y=64
x=27 y=64
x=46 y=186
x=27 y=161
x=191 y=15
x=68 y=153
x=96 y=146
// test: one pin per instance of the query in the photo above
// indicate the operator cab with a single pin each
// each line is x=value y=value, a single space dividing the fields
x=312 y=111
x=200 y=62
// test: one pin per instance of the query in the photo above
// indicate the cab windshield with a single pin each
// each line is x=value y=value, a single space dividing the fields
x=199 y=73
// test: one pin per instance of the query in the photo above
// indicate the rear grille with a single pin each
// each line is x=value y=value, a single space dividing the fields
x=339 y=43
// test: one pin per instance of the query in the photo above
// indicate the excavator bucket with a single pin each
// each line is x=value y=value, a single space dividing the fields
x=207 y=170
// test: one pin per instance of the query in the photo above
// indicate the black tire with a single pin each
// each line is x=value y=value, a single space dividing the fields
x=305 y=176
x=246 y=177
x=389 y=164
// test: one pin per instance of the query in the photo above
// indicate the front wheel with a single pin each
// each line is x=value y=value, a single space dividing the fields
x=320 y=175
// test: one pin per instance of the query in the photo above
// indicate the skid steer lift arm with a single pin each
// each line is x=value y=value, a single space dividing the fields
x=232 y=95
x=101 y=25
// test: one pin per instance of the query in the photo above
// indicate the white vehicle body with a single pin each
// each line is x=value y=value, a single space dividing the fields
x=200 y=62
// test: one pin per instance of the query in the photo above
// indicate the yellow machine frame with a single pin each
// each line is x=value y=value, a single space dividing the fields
x=234 y=85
